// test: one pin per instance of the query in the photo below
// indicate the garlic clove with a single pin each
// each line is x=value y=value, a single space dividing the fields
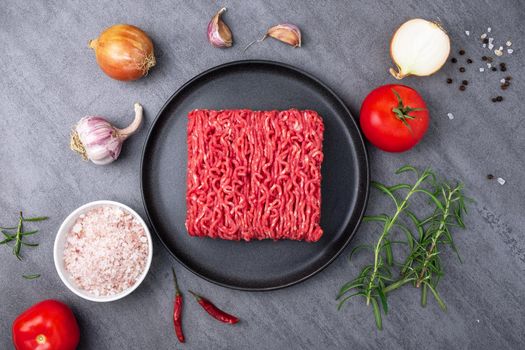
x=95 y=139
x=219 y=34
x=287 y=33
x=419 y=47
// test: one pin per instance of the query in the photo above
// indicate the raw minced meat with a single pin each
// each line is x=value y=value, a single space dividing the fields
x=254 y=174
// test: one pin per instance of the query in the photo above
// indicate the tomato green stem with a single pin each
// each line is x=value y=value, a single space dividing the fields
x=401 y=111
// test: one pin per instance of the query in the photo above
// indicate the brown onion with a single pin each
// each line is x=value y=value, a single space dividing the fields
x=124 y=52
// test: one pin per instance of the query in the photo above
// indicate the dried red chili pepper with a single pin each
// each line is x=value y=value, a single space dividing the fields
x=177 y=310
x=214 y=311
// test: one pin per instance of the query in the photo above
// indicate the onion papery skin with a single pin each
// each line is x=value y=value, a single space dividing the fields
x=124 y=52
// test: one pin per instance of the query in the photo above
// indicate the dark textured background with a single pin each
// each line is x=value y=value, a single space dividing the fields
x=49 y=80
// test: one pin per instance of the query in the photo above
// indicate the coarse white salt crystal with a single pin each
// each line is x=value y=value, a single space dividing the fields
x=106 y=251
x=467 y=32
x=491 y=40
x=489 y=29
x=501 y=181
x=491 y=46
x=501 y=48
x=509 y=51
x=482 y=69
x=450 y=116
x=508 y=43
x=502 y=81
x=484 y=45
x=477 y=321
x=498 y=52
x=483 y=36
x=489 y=65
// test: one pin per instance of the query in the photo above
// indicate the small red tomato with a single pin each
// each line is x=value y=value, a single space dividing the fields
x=48 y=325
x=394 y=118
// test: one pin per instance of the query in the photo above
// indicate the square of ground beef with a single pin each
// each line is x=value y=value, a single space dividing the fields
x=254 y=174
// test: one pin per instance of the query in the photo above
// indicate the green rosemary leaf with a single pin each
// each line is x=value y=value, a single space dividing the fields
x=29 y=244
x=379 y=218
x=424 y=295
x=28 y=233
x=382 y=296
x=385 y=190
x=399 y=187
x=408 y=234
x=349 y=286
x=407 y=168
x=31 y=277
x=8 y=228
x=377 y=314
x=395 y=285
x=358 y=248
x=7 y=240
x=343 y=301
x=388 y=253
x=438 y=298
x=432 y=197
x=36 y=219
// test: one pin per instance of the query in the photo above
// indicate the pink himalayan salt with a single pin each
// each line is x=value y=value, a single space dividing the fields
x=106 y=251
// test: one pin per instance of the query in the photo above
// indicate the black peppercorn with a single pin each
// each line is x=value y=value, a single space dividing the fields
x=494 y=99
x=449 y=81
x=499 y=98
x=453 y=60
x=485 y=40
x=504 y=87
x=503 y=69
x=461 y=52
x=508 y=78
x=494 y=69
x=484 y=58
x=490 y=59
x=462 y=69
x=462 y=87
x=490 y=176
x=469 y=61
x=464 y=82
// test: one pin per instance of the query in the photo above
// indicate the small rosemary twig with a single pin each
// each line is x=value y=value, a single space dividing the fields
x=19 y=234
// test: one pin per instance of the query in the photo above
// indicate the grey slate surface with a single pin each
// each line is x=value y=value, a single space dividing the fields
x=49 y=80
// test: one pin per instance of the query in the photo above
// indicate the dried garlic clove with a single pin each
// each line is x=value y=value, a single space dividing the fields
x=219 y=34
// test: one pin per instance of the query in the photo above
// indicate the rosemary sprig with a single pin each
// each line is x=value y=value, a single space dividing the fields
x=422 y=266
x=17 y=237
x=31 y=277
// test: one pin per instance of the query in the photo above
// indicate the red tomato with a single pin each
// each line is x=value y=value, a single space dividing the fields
x=394 y=118
x=48 y=325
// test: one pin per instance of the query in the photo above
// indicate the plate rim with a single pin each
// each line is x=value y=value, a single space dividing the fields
x=351 y=120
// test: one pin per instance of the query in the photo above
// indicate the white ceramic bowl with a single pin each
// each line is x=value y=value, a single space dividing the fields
x=58 y=252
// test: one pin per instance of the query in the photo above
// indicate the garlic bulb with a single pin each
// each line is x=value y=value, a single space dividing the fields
x=419 y=47
x=219 y=34
x=96 y=139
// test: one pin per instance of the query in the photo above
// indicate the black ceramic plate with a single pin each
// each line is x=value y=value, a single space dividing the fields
x=256 y=265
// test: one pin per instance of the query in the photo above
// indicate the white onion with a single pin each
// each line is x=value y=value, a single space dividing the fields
x=419 y=47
